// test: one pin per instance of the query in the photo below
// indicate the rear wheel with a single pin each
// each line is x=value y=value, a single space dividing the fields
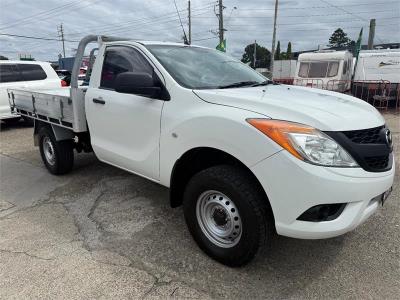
x=58 y=156
x=227 y=214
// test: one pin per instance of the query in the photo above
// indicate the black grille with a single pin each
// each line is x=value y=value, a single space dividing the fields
x=366 y=136
x=368 y=147
x=377 y=162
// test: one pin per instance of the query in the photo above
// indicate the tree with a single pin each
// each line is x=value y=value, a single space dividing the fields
x=289 y=51
x=3 y=57
x=278 y=51
x=263 y=56
x=339 y=39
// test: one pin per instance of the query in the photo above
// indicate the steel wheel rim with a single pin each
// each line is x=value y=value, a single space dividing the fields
x=219 y=219
x=49 y=151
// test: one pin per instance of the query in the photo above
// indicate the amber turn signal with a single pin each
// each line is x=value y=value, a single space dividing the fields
x=278 y=131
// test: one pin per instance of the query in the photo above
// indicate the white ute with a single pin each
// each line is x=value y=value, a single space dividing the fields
x=244 y=156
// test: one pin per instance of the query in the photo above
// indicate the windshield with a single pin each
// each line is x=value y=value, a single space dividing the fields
x=199 y=68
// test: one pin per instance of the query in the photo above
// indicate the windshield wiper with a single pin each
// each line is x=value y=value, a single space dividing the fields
x=237 y=84
x=266 y=82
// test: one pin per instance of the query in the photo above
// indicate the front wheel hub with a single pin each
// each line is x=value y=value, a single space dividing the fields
x=219 y=219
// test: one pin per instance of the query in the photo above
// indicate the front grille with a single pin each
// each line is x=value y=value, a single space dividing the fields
x=365 y=136
x=377 y=162
x=368 y=147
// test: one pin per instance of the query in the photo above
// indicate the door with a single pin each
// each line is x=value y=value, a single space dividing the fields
x=124 y=128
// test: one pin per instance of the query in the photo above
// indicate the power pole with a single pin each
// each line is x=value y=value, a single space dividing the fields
x=190 y=23
x=61 y=36
x=271 y=66
x=255 y=54
x=372 y=24
x=221 y=21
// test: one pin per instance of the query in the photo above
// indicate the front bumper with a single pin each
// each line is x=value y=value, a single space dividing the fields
x=294 y=186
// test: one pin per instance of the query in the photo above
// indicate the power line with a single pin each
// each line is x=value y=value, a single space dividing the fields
x=306 y=16
x=41 y=15
x=348 y=12
x=35 y=37
x=142 y=21
x=318 y=7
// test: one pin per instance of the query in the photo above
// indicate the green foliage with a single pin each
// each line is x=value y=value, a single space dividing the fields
x=278 y=51
x=3 y=57
x=289 y=51
x=263 y=56
x=339 y=39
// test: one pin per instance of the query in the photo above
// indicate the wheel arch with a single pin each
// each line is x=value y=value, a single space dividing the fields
x=200 y=158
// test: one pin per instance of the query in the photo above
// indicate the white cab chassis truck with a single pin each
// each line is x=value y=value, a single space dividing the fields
x=244 y=156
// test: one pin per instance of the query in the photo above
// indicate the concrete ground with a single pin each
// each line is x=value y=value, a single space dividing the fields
x=100 y=232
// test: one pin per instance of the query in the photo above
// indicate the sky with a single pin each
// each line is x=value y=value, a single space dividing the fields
x=306 y=23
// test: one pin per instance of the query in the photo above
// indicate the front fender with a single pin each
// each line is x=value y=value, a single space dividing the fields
x=213 y=126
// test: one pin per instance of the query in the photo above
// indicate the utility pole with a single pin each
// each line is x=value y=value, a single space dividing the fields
x=255 y=54
x=190 y=23
x=61 y=36
x=221 y=21
x=372 y=24
x=271 y=66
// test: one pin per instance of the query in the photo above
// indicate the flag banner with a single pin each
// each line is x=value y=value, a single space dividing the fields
x=222 y=46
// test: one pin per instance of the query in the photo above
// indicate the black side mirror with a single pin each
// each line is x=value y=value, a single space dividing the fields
x=137 y=83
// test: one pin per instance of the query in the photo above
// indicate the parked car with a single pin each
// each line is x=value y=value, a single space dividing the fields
x=23 y=74
x=65 y=77
x=326 y=69
x=244 y=156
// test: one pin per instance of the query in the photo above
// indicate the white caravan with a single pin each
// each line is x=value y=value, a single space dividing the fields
x=378 y=65
x=329 y=70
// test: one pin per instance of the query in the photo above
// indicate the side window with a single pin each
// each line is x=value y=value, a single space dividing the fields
x=303 y=70
x=31 y=72
x=318 y=69
x=345 y=67
x=9 y=73
x=120 y=59
x=333 y=69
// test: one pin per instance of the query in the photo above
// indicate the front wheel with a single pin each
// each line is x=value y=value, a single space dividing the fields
x=227 y=214
x=58 y=156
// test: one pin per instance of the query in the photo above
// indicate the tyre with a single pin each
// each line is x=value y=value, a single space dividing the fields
x=58 y=157
x=227 y=214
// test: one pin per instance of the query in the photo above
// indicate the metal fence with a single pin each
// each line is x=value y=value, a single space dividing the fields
x=380 y=93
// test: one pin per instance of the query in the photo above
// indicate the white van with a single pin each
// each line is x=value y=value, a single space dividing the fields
x=378 y=65
x=330 y=70
x=24 y=74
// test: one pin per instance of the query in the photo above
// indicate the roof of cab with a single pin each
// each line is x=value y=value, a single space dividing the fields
x=145 y=43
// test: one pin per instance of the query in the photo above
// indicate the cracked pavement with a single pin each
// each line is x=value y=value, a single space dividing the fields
x=101 y=232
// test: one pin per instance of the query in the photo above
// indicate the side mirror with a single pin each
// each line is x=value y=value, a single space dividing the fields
x=137 y=83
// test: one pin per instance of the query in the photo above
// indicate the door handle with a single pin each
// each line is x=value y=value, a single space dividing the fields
x=99 y=101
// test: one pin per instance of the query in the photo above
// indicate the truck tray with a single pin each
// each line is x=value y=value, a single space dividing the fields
x=53 y=106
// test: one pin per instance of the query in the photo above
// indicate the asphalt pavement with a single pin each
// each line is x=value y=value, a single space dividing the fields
x=100 y=232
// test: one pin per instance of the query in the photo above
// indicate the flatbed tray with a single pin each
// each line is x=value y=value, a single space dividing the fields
x=49 y=105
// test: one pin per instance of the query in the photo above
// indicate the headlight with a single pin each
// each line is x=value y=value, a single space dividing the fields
x=305 y=143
